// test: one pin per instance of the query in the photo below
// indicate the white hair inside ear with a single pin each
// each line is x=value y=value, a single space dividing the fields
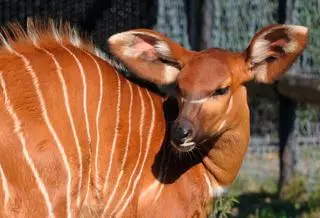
x=150 y=55
x=170 y=74
x=274 y=49
x=260 y=50
x=134 y=46
x=162 y=48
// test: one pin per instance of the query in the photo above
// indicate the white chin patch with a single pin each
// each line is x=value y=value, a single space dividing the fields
x=185 y=147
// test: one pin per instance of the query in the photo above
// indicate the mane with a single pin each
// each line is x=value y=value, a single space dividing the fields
x=38 y=31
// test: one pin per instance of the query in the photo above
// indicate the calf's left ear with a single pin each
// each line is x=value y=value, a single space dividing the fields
x=273 y=50
x=150 y=55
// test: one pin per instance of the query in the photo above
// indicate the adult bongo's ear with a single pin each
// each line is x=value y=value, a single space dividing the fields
x=273 y=50
x=149 y=54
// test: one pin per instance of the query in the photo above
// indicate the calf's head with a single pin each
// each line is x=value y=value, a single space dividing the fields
x=205 y=82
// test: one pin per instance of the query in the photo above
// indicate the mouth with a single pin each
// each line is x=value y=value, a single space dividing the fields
x=186 y=146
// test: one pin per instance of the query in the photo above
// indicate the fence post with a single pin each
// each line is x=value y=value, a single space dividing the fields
x=287 y=117
x=194 y=16
x=287 y=142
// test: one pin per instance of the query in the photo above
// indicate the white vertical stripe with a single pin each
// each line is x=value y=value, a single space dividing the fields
x=229 y=106
x=141 y=121
x=154 y=187
x=144 y=159
x=159 y=193
x=5 y=187
x=222 y=124
x=97 y=124
x=97 y=119
x=84 y=83
x=67 y=106
x=89 y=179
x=150 y=189
x=18 y=131
x=206 y=177
x=86 y=119
x=164 y=177
x=214 y=191
x=125 y=155
x=116 y=133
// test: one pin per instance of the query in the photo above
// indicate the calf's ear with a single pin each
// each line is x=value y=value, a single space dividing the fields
x=149 y=55
x=273 y=50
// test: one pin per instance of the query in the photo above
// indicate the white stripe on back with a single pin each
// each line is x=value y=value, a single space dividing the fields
x=149 y=138
x=97 y=124
x=125 y=155
x=97 y=119
x=18 y=131
x=141 y=121
x=116 y=133
x=89 y=179
x=5 y=187
x=67 y=106
x=84 y=83
x=86 y=119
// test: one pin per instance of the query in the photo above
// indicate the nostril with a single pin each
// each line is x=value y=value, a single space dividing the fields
x=184 y=132
x=179 y=134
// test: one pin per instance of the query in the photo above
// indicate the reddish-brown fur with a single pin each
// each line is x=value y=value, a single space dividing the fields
x=167 y=182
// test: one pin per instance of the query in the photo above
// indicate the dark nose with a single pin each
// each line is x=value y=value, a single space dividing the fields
x=179 y=133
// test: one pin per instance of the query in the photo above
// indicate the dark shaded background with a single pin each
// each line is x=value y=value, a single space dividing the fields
x=98 y=18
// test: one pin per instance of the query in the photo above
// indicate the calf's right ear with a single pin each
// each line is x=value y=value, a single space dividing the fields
x=150 y=55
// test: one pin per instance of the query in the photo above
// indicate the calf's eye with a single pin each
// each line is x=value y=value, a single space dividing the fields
x=221 y=91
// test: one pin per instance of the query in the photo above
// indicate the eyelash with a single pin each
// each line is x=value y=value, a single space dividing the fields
x=221 y=91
